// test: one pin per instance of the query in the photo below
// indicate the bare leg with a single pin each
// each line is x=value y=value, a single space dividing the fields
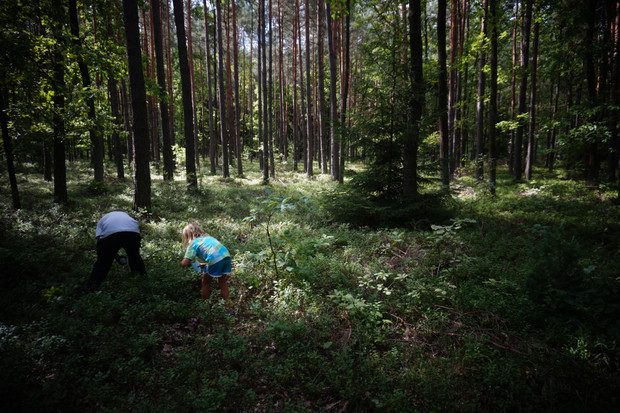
x=205 y=291
x=221 y=281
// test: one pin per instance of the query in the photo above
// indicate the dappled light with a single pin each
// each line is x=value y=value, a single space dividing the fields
x=325 y=313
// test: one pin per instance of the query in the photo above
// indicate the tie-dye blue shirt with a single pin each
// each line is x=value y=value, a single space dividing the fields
x=208 y=249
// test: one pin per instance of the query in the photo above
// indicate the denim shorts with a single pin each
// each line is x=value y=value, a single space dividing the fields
x=220 y=268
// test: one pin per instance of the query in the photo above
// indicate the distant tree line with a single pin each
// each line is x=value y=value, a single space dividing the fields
x=309 y=82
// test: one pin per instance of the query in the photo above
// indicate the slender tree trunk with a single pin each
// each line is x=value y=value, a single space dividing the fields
x=230 y=111
x=525 y=57
x=188 y=111
x=270 y=94
x=58 y=85
x=321 y=85
x=163 y=98
x=169 y=74
x=116 y=120
x=513 y=89
x=411 y=138
x=452 y=86
x=190 y=63
x=310 y=132
x=282 y=86
x=616 y=82
x=494 y=21
x=237 y=116
x=142 y=173
x=480 y=100
x=212 y=138
x=295 y=106
x=442 y=95
x=222 y=91
x=531 y=141
x=302 y=95
x=333 y=114
x=345 y=90
x=95 y=135
x=263 y=80
x=592 y=80
x=8 y=151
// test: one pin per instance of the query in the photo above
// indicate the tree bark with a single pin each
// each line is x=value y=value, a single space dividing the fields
x=442 y=95
x=163 y=98
x=453 y=85
x=116 y=120
x=493 y=22
x=8 y=151
x=333 y=109
x=186 y=91
x=310 y=132
x=237 y=133
x=95 y=135
x=222 y=91
x=531 y=141
x=345 y=89
x=212 y=138
x=525 y=57
x=480 y=100
x=142 y=173
x=416 y=104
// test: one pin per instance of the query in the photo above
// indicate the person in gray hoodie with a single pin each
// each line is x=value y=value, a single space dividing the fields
x=116 y=230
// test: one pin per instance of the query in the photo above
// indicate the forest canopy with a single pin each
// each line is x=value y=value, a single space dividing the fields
x=404 y=87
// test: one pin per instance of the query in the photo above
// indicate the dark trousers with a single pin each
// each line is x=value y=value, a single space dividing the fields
x=107 y=249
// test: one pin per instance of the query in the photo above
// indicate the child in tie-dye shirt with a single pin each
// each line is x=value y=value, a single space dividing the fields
x=216 y=258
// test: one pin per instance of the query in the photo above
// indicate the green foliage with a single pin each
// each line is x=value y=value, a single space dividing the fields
x=511 y=304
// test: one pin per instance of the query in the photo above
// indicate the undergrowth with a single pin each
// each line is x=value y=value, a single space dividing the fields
x=464 y=302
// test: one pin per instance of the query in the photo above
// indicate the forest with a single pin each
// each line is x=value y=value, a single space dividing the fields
x=421 y=200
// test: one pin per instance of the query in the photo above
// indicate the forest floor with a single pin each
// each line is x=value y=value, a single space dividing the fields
x=506 y=303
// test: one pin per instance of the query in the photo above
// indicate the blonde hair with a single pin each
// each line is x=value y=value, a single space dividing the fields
x=191 y=232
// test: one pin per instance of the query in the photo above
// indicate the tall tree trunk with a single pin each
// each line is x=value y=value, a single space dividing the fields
x=169 y=73
x=8 y=151
x=493 y=22
x=525 y=57
x=321 y=85
x=163 y=98
x=480 y=100
x=282 y=80
x=142 y=173
x=265 y=99
x=416 y=104
x=272 y=169
x=58 y=85
x=222 y=92
x=295 y=106
x=212 y=138
x=310 y=132
x=116 y=120
x=616 y=82
x=333 y=109
x=345 y=89
x=591 y=78
x=95 y=135
x=237 y=116
x=186 y=91
x=513 y=88
x=302 y=95
x=453 y=86
x=442 y=95
x=190 y=63
x=531 y=141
